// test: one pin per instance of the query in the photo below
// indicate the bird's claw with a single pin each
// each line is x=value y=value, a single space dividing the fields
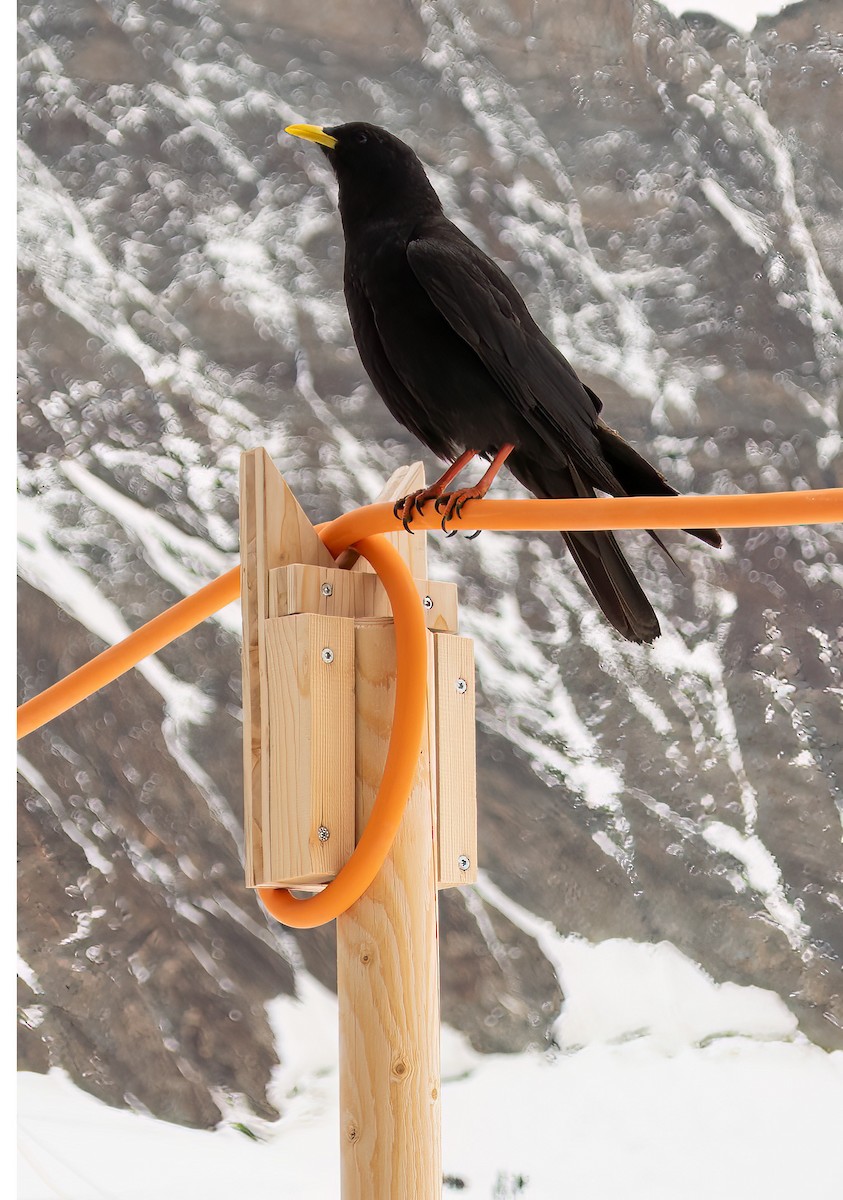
x=453 y=504
x=449 y=504
x=408 y=506
x=402 y=509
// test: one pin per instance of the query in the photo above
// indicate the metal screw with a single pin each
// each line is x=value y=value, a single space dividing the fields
x=327 y=589
x=327 y=655
x=323 y=833
x=461 y=686
x=427 y=602
x=463 y=862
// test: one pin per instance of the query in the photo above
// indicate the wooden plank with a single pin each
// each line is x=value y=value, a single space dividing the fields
x=456 y=774
x=388 y=972
x=310 y=670
x=274 y=531
x=301 y=588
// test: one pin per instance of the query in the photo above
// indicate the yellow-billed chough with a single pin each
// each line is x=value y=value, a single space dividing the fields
x=450 y=346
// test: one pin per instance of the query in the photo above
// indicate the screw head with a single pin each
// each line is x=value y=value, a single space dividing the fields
x=428 y=602
x=463 y=862
x=461 y=686
x=327 y=589
x=323 y=833
x=327 y=655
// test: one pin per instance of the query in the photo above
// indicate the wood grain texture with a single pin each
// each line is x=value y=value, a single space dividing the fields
x=299 y=588
x=388 y=971
x=311 y=747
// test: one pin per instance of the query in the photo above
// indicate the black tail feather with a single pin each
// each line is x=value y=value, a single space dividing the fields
x=613 y=585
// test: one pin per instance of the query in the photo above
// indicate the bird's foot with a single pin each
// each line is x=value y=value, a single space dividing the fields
x=451 y=505
x=407 y=507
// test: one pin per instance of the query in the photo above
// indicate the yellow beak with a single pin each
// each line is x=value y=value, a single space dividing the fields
x=312 y=133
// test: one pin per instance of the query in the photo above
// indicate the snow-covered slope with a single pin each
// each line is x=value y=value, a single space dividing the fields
x=655 y=1100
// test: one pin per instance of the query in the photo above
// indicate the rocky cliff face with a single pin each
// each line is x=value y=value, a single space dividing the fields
x=667 y=195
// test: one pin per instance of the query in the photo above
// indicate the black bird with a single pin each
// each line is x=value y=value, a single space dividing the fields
x=450 y=346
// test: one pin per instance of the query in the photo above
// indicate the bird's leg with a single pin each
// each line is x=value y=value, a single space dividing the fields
x=408 y=506
x=451 y=504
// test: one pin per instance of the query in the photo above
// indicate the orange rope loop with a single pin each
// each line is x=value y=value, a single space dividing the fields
x=402 y=754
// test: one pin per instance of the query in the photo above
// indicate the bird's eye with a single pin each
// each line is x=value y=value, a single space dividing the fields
x=361 y=138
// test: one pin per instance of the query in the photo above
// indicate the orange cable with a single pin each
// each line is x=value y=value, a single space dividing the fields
x=823 y=507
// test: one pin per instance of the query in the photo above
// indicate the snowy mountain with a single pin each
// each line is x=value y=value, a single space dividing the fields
x=667 y=194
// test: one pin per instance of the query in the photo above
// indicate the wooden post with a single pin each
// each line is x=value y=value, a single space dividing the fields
x=315 y=741
x=388 y=974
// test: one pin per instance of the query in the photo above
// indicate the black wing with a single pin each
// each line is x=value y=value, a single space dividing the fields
x=395 y=395
x=482 y=306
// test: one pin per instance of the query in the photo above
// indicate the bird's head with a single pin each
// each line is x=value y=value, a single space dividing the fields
x=377 y=173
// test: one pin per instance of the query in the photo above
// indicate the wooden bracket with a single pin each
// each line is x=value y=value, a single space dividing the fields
x=301 y=621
